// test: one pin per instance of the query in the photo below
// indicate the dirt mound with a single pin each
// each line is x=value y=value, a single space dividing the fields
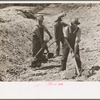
x=15 y=36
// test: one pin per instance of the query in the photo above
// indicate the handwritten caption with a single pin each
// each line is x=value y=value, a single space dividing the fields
x=49 y=84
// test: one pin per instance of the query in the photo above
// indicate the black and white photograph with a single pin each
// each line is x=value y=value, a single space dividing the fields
x=49 y=42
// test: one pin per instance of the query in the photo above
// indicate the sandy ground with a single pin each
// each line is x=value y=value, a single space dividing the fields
x=16 y=44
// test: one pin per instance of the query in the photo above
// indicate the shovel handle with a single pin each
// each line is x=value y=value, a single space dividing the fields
x=41 y=49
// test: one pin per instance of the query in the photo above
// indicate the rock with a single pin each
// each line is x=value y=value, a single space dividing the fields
x=86 y=73
x=67 y=74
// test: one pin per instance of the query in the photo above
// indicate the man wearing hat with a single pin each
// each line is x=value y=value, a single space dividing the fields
x=58 y=31
x=73 y=35
x=38 y=38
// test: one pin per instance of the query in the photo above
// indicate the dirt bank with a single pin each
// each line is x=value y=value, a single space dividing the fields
x=16 y=43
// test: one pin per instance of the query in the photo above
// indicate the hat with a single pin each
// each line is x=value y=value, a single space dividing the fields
x=60 y=16
x=75 y=21
x=40 y=17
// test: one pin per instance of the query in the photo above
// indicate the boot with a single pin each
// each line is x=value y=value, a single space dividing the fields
x=63 y=65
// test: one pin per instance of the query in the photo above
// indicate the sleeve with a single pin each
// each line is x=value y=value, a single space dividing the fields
x=46 y=30
x=66 y=32
x=35 y=30
x=64 y=24
x=55 y=30
x=78 y=36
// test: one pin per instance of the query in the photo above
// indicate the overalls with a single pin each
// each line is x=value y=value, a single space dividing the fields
x=71 y=39
x=37 y=39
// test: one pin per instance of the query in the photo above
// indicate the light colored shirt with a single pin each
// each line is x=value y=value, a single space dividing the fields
x=78 y=34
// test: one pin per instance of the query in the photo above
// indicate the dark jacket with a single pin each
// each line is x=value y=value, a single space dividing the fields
x=58 y=29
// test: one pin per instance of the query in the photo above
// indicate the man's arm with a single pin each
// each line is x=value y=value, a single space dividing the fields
x=78 y=36
x=63 y=14
x=64 y=24
x=66 y=31
x=55 y=31
x=34 y=30
x=46 y=30
x=77 y=41
x=37 y=33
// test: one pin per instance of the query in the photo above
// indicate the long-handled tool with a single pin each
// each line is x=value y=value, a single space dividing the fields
x=34 y=62
x=55 y=41
x=41 y=49
x=77 y=70
x=45 y=45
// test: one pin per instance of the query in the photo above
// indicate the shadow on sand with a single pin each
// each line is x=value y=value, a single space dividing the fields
x=49 y=67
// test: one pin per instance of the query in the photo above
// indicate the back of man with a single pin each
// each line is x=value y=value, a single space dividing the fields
x=58 y=26
x=58 y=31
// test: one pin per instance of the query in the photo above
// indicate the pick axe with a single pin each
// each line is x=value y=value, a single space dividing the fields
x=77 y=70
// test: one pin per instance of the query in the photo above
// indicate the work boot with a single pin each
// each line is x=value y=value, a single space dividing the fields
x=80 y=70
x=33 y=64
x=63 y=65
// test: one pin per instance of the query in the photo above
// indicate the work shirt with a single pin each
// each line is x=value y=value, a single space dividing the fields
x=78 y=33
x=58 y=29
x=39 y=32
x=73 y=35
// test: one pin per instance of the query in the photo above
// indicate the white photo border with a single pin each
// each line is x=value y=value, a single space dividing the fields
x=42 y=90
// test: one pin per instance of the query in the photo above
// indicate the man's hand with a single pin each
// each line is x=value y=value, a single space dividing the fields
x=34 y=59
x=43 y=44
x=74 y=55
x=63 y=14
x=77 y=41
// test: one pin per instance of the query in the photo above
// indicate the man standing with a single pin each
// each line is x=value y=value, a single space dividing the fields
x=38 y=38
x=73 y=35
x=58 y=32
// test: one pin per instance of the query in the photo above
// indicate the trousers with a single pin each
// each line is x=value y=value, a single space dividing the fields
x=65 y=52
x=58 y=45
x=36 y=47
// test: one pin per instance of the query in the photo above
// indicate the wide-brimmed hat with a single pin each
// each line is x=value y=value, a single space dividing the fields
x=40 y=17
x=75 y=21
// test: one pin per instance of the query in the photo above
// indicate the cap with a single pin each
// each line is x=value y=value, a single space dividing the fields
x=40 y=17
x=75 y=21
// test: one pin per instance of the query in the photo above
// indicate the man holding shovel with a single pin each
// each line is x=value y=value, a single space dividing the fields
x=72 y=39
x=58 y=32
x=38 y=39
